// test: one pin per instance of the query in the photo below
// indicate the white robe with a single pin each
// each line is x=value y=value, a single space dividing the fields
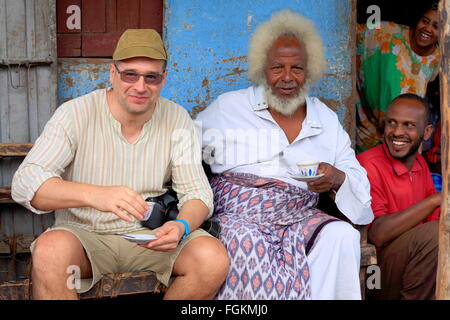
x=238 y=134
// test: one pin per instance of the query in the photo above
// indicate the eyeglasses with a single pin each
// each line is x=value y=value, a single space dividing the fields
x=152 y=78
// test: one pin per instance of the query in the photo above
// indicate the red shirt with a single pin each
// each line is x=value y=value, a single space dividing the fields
x=393 y=188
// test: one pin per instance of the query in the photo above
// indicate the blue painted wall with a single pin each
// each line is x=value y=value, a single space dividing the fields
x=207 y=43
x=208 y=39
x=77 y=77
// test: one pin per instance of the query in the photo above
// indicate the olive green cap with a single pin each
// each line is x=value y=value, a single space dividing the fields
x=140 y=43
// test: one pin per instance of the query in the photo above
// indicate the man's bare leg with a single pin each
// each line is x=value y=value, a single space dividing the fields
x=200 y=270
x=53 y=253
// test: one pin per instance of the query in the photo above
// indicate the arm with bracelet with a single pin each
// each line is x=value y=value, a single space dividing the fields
x=192 y=214
x=192 y=187
x=186 y=228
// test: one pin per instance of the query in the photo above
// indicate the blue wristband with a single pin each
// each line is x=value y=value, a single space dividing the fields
x=186 y=228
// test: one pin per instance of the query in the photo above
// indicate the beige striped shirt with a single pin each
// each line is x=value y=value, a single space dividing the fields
x=83 y=142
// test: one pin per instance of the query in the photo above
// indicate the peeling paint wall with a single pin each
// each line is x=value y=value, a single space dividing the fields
x=77 y=77
x=208 y=41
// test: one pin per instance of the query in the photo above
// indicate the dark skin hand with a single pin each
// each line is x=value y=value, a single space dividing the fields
x=332 y=180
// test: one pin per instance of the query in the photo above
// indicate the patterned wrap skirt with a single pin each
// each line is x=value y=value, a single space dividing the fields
x=268 y=227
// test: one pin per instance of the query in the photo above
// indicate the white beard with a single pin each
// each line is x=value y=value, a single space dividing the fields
x=285 y=106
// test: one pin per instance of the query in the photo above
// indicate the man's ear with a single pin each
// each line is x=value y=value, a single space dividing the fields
x=112 y=70
x=428 y=132
x=165 y=77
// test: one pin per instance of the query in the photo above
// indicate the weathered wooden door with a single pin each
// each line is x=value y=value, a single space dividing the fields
x=91 y=28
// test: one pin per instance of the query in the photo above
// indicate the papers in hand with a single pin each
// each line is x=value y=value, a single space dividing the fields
x=139 y=238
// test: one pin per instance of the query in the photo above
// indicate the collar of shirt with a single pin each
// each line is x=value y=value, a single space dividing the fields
x=117 y=126
x=311 y=125
x=398 y=167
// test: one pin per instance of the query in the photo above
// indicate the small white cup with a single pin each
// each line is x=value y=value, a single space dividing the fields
x=308 y=169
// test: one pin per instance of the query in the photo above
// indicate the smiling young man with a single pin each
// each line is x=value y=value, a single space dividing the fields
x=98 y=158
x=404 y=202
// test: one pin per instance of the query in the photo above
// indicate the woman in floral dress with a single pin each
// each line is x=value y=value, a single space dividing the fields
x=391 y=60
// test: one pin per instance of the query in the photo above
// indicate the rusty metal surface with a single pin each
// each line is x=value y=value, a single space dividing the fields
x=14 y=267
x=5 y=195
x=19 y=227
x=16 y=244
x=16 y=290
x=109 y=286
x=15 y=283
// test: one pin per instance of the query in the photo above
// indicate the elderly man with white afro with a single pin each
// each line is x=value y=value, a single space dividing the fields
x=281 y=246
x=285 y=23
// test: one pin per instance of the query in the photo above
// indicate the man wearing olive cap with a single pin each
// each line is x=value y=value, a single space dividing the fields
x=98 y=158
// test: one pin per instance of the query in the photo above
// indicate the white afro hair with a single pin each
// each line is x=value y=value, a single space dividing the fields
x=285 y=22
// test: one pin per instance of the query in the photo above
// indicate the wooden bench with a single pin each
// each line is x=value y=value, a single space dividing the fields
x=109 y=286
x=113 y=285
x=11 y=150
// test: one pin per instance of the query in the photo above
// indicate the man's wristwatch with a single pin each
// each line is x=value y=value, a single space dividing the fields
x=186 y=228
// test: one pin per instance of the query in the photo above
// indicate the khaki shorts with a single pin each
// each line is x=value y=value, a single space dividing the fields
x=112 y=254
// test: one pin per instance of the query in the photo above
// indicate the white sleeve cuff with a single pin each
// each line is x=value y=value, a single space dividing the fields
x=354 y=201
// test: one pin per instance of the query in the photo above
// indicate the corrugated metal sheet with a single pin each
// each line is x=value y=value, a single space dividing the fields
x=28 y=74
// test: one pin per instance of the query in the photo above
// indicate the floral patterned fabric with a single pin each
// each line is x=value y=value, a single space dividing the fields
x=267 y=227
x=386 y=67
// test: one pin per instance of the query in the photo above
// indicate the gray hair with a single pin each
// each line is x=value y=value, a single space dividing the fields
x=289 y=23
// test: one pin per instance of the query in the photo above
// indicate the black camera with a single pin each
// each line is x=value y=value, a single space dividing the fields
x=165 y=209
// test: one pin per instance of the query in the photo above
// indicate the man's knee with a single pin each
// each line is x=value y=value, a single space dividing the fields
x=430 y=231
x=55 y=249
x=426 y=237
x=341 y=231
x=208 y=258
